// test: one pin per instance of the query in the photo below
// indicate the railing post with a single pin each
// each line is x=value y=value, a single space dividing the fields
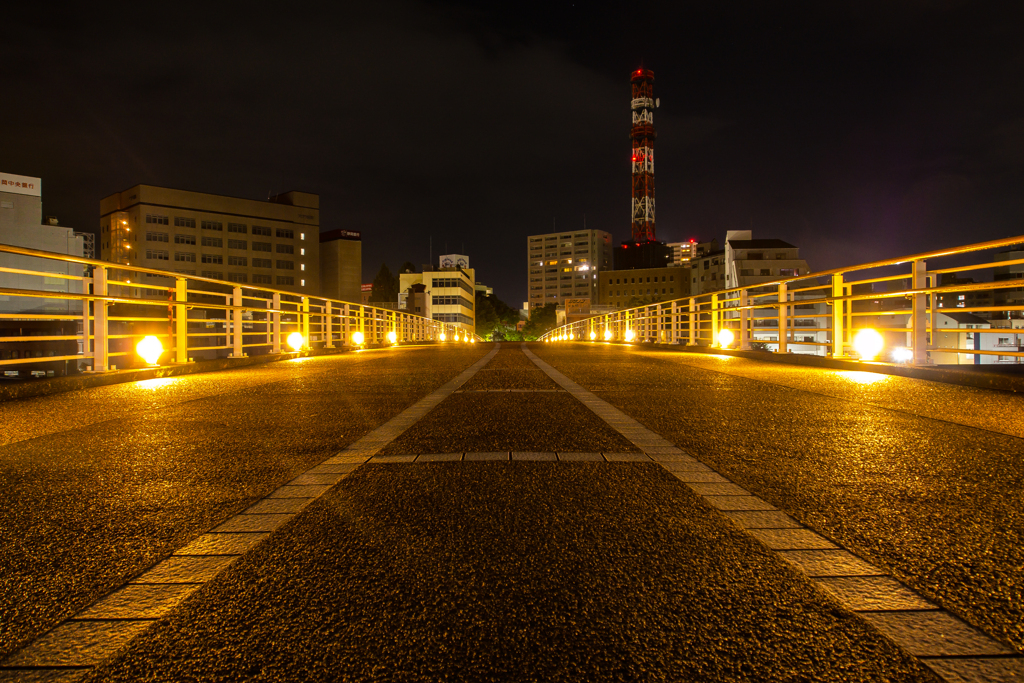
x=674 y=320
x=918 y=316
x=180 y=320
x=783 y=318
x=344 y=324
x=305 y=320
x=692 y=341
x=236 y=322
x=744 y=321
x=276 y=315
x=838 y=335
x=100 y=331
x=86 y=317
x=329 y=324
x=714 y=319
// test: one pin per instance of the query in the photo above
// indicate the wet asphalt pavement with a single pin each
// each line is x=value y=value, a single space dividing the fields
x=512 y=571
x=122 y=476
x=919 y=477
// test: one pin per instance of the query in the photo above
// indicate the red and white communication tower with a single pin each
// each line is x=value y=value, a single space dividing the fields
x=643 y=135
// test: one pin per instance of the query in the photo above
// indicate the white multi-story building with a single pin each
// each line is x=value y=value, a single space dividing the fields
x=450 y=291
x=566 y=265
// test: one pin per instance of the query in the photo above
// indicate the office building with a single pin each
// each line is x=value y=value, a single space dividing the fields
x=273 y=243
x=341 y=265
x=449 y=291
x=566 y=265
x=629 y=288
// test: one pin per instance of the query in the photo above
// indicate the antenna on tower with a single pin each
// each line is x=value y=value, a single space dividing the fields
x=642 y=136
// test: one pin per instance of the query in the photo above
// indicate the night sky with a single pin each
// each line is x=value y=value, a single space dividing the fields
x=855 y=130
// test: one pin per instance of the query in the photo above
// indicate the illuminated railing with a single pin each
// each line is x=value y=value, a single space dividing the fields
x=916 y=312
x=113 y=306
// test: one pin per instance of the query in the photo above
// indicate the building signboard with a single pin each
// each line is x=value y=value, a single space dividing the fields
x=20 y=184
x=577 y=306
x=453 y=260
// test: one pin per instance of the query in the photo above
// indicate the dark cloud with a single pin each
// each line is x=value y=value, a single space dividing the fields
x=855 y=130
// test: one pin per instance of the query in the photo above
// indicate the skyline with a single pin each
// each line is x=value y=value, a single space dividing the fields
x=855 y=134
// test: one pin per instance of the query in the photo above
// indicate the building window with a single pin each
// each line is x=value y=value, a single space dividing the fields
x=285 y=248
x=238 y=227
x=186 y=256
x=238 y=261
x=262 y=263
x=303 y=283
x=184 y=223
x=766 y=271
x=259 y=279
x=185 y=239
x=213 y=225
x=213 y=274
x=213 y=242
x=157 y=237
x=185 y=272
x=285 y=233
x=285 y=280
x=213 y=258
x=262 y=230
x=157 y=220
x=237 y=277
x=302 y=266
x=237 y=244
x=158 y=254
x=260 y=246
x=286 y=265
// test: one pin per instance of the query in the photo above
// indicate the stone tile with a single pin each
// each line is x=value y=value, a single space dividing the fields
x=791 y=539
x=270 y=506
x=580 y=457
x=316 y=480
x=684 y=466
x=487 y=456
x=520 y=455
x=978 y=670
x=78 y=643
x=933 y=634
x=265 y=522
x=873 y=593
x=829 y=563
x=194 y=569
x=42 y=675
x=333 y=468
x=309 y=491
x=384 y=459
x=222 y=544
x=719 y=489
x=762 y=519
x=737 y=503
x=658 y=452
x=439 y=457
x=678 y=455
x=139 y=601
x=688 y=477
x=627 y=457
x=346 y=458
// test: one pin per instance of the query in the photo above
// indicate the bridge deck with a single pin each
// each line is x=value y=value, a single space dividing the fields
x=556 y=565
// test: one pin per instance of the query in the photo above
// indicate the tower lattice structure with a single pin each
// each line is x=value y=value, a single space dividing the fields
x=642 y=136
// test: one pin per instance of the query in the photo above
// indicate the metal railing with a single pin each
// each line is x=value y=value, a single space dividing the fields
x=922 y=316
x=112 y=306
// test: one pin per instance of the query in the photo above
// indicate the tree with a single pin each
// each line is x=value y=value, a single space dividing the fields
x=495 y=320
x=407 y=267
x=385 y=286
x=541 y=320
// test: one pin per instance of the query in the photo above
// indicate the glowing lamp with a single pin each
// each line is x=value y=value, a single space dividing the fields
x=571 y=336
x=296 y=341
x=607 y=335
x=442 y=336
x=149 y=349
x=392 y=337
x=868 y=344
x=902 y=355
x=593 y=335
x=357 y=338
x=472 y=340
x=725 y=338
x=630 y=335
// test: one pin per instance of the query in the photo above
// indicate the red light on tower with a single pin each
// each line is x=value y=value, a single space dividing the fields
x=643 y=105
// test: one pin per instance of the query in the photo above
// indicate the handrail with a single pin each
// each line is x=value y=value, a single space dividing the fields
x=832 y=313
x=111 y=311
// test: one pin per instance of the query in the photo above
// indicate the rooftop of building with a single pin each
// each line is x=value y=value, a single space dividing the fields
x=760 y=244
x=965 y=318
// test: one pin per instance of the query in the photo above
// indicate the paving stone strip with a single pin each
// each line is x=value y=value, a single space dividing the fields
x=950 y=647
x=76 y=646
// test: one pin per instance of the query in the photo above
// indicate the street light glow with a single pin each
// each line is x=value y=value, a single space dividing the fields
x=392 y=337
x=296 y=341
x=593 y=335
x=442 y=336
x=607 y=335
x=868 y=344
x=902 y=354
x=725 y=338
x=357 y=338
x=149 y=349
x=630 y=335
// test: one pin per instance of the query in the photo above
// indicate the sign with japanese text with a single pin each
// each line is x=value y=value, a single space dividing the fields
x=21 y=184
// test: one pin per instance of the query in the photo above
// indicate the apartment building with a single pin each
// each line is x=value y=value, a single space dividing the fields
x=629 y=288
x=273 y=243
x=566 y=265
x=450 y=291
